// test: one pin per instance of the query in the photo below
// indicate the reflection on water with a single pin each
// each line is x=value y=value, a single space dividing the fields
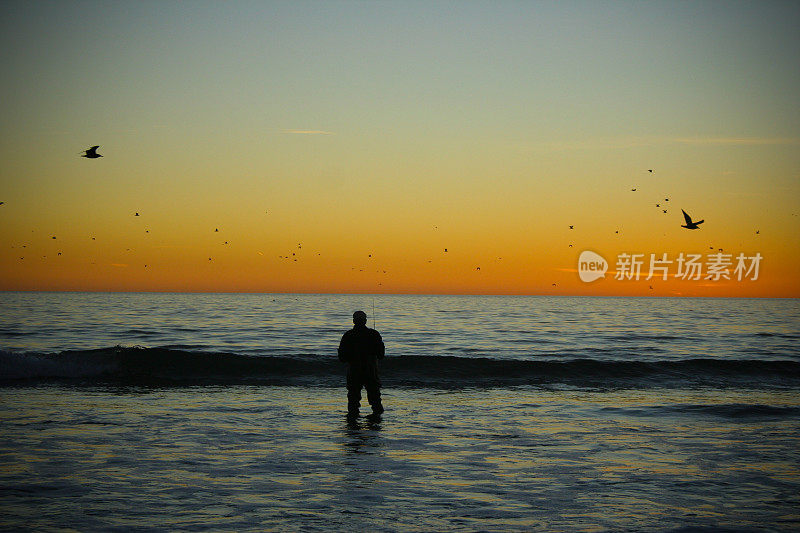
x=259 y=458
x=363 y=433
x=555 y=457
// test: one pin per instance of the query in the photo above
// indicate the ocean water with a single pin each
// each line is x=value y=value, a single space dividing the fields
x=227 y=412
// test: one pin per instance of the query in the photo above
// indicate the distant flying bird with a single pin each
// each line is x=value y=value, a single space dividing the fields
x=658 y=205
x=666 y=199
x=572 y=227
x=633 y=190
x=137 y=214
x=664 y=210
x=758 y=232
x=1 y=203
x=689 y=223
x=650 y=170
x=445 y=249
x=91 y=153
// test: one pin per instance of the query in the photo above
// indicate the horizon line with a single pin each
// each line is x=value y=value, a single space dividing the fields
x=313 y=293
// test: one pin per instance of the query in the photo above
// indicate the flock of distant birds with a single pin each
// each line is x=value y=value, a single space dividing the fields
x=689 y=223
x=91 y=153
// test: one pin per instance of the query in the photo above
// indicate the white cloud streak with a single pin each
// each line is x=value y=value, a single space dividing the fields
x=742 y=141
x=620 y=143
x=308 y=132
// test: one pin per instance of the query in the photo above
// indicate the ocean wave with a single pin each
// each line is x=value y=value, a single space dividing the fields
x=8 y=332
x=163 y=366
x=790 y=336
x=732 y=411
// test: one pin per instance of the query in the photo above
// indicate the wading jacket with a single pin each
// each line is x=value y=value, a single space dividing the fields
x=361 y=347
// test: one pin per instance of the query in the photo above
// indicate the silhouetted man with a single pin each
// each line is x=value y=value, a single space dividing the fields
x=360 y=348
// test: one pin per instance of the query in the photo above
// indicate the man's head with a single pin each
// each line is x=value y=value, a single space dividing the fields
x=360 y=318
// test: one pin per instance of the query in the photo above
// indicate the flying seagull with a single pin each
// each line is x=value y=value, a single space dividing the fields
x=689 y=223
x=91 y=153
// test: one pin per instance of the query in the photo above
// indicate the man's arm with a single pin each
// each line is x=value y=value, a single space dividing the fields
x=344 y=349
x=380 y=349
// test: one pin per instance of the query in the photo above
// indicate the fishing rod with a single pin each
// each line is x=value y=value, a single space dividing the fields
x=373 y=312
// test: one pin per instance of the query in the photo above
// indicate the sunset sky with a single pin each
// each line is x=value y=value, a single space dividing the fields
x=362 y=139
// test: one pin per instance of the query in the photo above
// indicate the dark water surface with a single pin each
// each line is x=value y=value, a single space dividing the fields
x=226 y=412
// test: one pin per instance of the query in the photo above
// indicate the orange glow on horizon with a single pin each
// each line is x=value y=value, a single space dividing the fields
x=485 y=136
